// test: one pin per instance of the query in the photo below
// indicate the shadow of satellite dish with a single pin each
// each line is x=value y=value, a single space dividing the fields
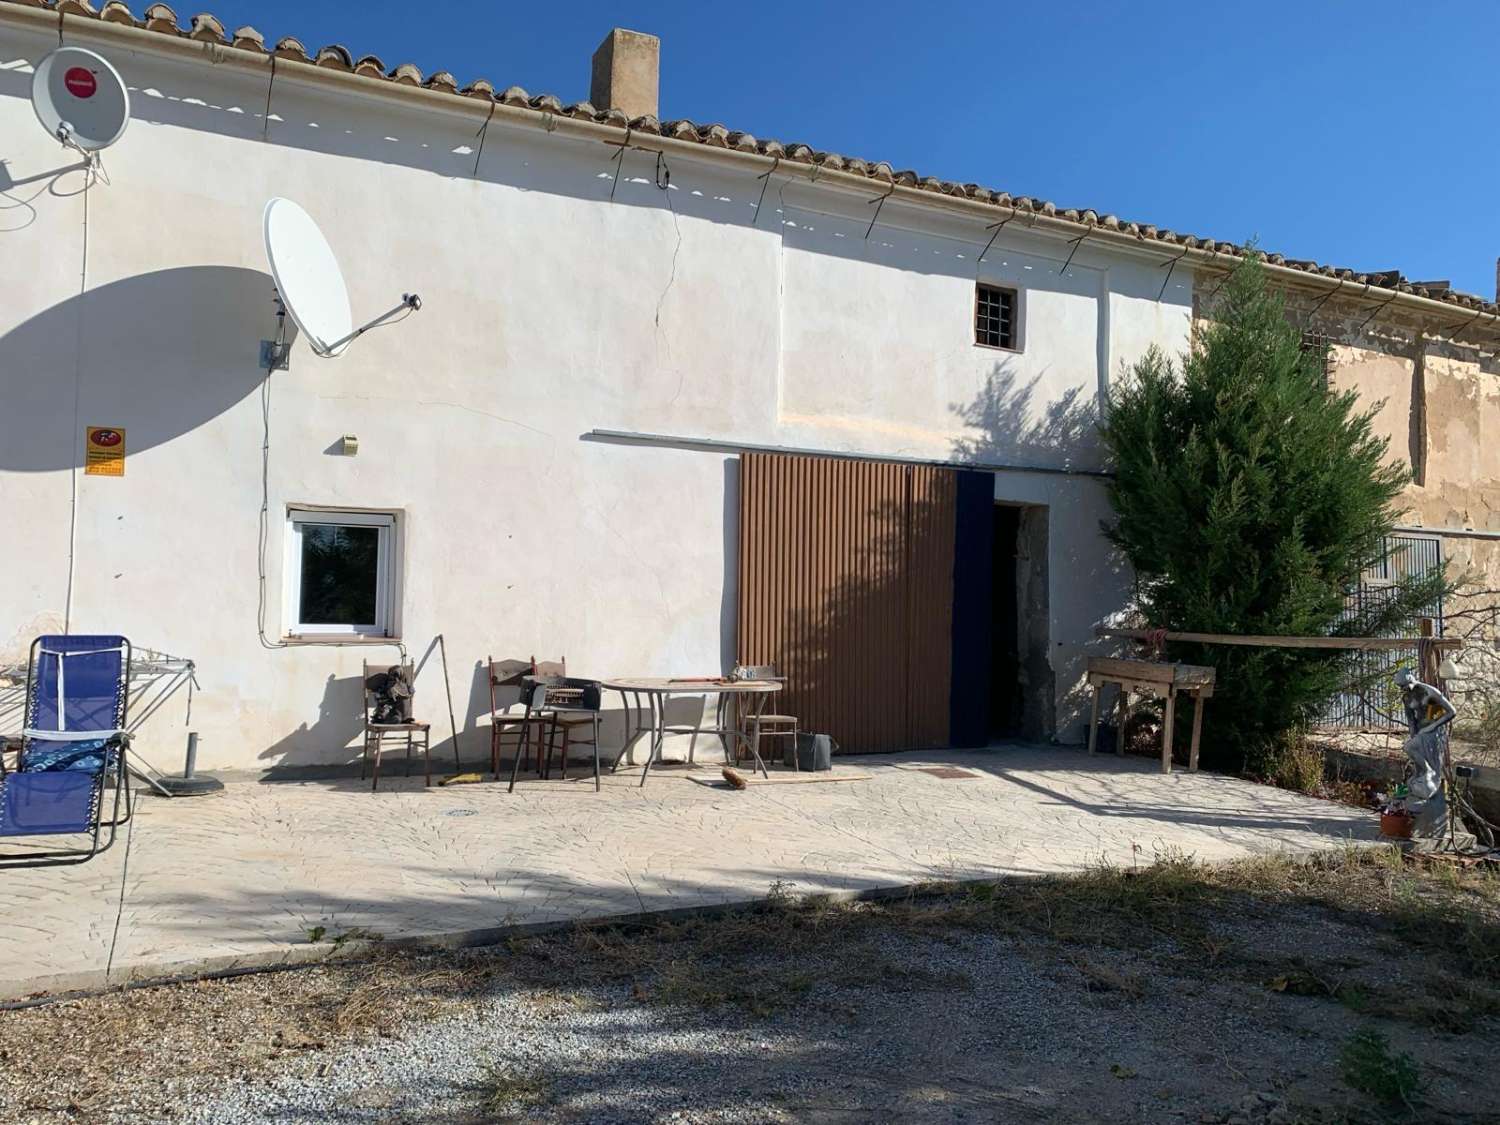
x=158 y=355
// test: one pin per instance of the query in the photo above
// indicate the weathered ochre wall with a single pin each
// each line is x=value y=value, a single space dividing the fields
x=1436 y=393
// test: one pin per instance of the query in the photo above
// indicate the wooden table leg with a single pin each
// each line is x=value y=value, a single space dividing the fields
x=1094 y=721
x=1197 y=731
x=1124 y=704
x=1166 y=730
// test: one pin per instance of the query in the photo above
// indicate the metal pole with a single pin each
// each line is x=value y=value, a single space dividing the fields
x=448 y=687
x=192 y=754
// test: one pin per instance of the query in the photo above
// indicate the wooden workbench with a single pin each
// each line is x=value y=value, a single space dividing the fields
x=1159 y=681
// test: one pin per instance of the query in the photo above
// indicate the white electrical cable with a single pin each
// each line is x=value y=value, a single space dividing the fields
x=83 y=282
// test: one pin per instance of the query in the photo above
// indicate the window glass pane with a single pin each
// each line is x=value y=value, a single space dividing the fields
x=994 y=317
x=339 y=574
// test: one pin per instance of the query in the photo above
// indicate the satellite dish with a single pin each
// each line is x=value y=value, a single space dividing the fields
x=80 y=99
x=310 y=283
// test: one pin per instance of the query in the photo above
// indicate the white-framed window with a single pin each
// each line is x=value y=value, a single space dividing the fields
x=340 y=573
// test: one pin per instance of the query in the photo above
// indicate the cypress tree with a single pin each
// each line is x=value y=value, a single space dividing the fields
x=1249 y=497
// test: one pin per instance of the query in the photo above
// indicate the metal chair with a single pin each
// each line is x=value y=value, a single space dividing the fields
x=766 y=726
x=73 y=741
x=504 y=718
x=566 y=704
x=564 y=719
x=384 y=686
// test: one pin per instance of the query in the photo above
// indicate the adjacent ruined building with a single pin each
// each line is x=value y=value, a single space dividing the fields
x=1432 y=370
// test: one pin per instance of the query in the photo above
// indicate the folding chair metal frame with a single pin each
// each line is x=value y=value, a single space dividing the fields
x=116 y=743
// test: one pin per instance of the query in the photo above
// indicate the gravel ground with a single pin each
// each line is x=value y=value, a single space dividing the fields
x=1179 y=994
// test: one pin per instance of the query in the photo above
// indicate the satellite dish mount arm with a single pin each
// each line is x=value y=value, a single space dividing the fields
x=410 y=303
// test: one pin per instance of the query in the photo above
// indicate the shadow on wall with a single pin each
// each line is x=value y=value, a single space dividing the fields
x=340 y=723
x=1006 y=424
x=159 y=355
x=208 y=100
x=231 y=104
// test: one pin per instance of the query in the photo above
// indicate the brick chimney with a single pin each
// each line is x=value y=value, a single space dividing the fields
x=625 y=73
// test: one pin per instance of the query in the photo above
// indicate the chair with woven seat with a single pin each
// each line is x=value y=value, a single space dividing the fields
x=73 y=744
x=388 y=718
x=757 y=727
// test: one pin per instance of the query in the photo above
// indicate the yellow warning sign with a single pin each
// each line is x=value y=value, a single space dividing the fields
x=104 y=453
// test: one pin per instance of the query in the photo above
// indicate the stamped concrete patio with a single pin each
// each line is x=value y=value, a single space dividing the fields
x=241 y=879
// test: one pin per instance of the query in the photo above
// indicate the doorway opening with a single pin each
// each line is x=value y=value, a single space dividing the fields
x=1021 y=677
x=1005 y=636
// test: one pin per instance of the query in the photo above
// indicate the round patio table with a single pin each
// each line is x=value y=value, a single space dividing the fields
x=657 y=690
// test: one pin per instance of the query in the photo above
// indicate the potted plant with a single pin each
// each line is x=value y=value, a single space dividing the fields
x=1395 y=820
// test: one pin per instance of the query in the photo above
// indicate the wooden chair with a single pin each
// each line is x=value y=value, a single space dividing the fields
x=512 y=718
x=767 y=726
x=377 y=734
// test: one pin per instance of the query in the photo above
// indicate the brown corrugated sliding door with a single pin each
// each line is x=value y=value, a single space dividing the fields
x=846 y=584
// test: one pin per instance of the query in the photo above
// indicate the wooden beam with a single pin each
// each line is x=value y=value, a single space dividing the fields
x=1366 y=644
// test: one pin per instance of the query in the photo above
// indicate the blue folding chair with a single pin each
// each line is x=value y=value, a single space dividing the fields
x=74 y=741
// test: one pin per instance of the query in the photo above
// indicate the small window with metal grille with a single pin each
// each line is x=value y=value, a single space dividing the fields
x=1320 y=344
x=995 y=317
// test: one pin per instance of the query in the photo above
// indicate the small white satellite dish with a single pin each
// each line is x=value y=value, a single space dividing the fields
x=80 y=99
x=310 y=283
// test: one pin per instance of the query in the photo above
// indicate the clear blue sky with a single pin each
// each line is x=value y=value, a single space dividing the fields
x=1361 y=133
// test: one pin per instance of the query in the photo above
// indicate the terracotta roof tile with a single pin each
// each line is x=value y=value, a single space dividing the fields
x=335 y=57
x=290 y=47
x=207 y=28
x=162 y=19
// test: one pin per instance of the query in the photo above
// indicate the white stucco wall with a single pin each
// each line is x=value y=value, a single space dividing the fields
x=549 y=310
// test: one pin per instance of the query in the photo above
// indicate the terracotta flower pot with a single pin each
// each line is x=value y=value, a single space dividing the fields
x=1397 y=826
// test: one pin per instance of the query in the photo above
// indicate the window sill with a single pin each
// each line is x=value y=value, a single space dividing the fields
x=325 y=639
x=999 y=348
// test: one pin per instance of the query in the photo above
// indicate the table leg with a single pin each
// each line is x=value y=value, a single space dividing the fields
x=1094 y=721
x=1166 y=730
x=625 y=744
x=1124 y=705
x=1197 y=732
x=754 y=739
x=728 y=720
x=634 y=726
x=697 y=728
x=596 y=751
x=659 y=717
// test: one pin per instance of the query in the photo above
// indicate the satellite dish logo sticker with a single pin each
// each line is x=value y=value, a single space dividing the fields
x=81 y=82
x=104 y=454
